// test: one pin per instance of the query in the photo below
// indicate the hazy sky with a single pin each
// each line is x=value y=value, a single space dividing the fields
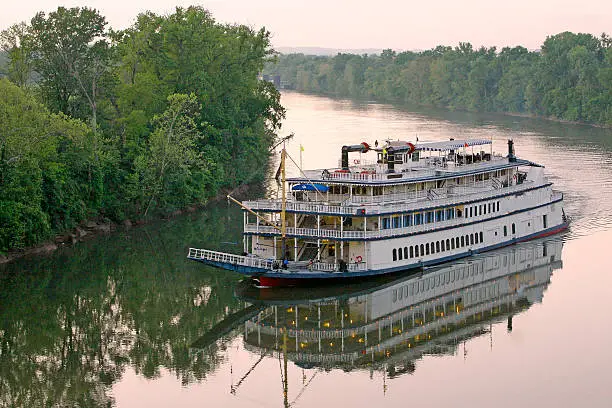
x=397 y=24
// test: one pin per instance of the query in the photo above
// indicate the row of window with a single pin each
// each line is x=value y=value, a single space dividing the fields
x=481 y=209
x=427 y=217
x=415 y=251
x=408 y=220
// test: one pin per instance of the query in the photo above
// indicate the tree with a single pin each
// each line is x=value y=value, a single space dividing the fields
x=20 y=57
x=172 y=153
x=72 y=54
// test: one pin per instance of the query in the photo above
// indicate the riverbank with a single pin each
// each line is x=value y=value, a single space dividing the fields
x=548 y=83
x=418 y=107
x=95 y=227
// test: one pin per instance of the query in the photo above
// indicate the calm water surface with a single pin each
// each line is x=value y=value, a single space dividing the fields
x=125 y=321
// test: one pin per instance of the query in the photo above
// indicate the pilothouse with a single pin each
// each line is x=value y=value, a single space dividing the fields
x=390 y=208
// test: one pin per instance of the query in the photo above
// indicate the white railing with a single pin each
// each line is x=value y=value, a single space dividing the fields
x=233 y=259
x=327 y=267
x=269 y=264
x=455 y=195
x=388 y=198
x=425 y=167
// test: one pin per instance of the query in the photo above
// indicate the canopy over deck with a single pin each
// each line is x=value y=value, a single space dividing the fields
x=451 y=145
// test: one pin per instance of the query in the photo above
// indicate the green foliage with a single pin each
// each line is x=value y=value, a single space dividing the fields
x=569 y=79
x=34 y=147
x=174 y=107
x=19 y=59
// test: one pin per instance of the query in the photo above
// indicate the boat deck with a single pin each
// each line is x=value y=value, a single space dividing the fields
x=426 y=170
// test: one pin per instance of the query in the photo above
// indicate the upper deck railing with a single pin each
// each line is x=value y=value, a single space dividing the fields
x=426 y=168
x=401 y=202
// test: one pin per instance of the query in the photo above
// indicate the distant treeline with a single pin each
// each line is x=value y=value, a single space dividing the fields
x=570 y=78
x=125 y=124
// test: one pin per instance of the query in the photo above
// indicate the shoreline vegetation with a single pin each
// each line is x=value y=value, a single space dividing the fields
x=100 y=128
x=568 y=80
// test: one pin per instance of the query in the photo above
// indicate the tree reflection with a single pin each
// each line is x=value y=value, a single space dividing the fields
x=70 y=325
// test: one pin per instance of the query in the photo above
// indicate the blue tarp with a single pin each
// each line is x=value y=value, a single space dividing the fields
x=310 y=187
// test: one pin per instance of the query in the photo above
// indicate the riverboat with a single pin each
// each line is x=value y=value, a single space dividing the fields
x=392 y=208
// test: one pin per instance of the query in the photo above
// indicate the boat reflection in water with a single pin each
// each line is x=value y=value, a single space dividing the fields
x=389 y=326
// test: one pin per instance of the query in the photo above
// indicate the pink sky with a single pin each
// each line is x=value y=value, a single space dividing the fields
x=360 y=24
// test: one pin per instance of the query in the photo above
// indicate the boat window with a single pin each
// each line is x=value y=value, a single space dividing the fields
x=386 y=223
x=394 y=295
x=462 y=242
x=422 y=249
x=438 y=246
x=394 y=254
x=430 y=216
x=448 y=244
x=427 y=249
x=405 y=252
x=397 y=222
x=513 y=228
x=471 y=239
x=416 y=251
x=505 y=231
x=481 y=240
x=418 y=219
x=411 y=290
x=457 y=242
x=442 y=246
x=439 y=215
x=544 y=221
x=411 y=251
x=400 y=254
x=408 y=220
x=498 y=206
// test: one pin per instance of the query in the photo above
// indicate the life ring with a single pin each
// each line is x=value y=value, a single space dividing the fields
x=358 y=259
x=356 y=161
x=412 y=147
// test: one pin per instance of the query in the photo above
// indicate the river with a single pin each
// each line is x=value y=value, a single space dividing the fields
x=124 y=320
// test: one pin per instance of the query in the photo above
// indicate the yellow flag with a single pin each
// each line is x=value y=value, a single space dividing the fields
x=301 y=148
